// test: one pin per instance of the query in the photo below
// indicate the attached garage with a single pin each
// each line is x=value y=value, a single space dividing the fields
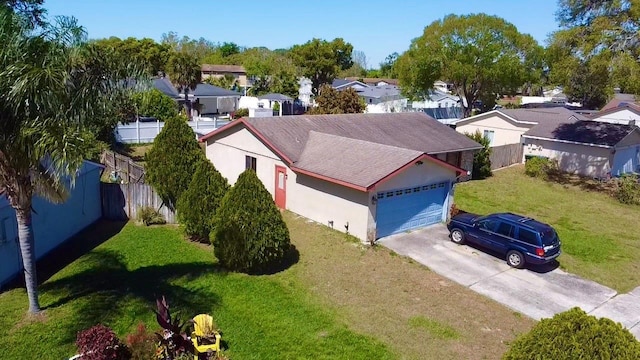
x=410 y=208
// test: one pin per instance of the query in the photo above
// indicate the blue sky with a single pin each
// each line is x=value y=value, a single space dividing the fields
x=376 y=27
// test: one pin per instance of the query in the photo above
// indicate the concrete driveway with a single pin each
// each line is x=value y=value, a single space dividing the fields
x=537 y=293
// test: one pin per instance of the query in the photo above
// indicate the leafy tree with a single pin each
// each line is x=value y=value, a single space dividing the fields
x=332 y=101
x=574 y=334
x=197 y=48
x=172 y=160
x=29 y=10
x=155 y=104
x=481 y=55
x=198 y=205
x=321 y=60
x=596 y=50
x=147 y=54
x=482 y=158
x=185 y=73
x=51 y=86
x=387 y=66
x=250 y=234
x=228 y=48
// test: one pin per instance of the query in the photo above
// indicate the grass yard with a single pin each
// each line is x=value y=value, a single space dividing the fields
x=600 y=236
x=339 y=301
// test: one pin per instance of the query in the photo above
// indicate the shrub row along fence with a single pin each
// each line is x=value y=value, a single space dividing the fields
x=127 y=169
x=123 y=201
x=505 y=155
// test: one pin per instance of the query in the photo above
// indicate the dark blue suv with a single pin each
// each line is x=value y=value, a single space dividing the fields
x=522 y=239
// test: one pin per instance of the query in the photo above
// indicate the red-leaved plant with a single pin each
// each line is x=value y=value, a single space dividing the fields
x=142 y=344
x=101 y=343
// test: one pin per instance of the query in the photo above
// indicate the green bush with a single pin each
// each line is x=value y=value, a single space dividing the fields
x=482 y=158
x=575 y=335
x=628 y=191
x=250 y=234
x=155 y=104
x=198 y=204
x=172 y=160
x=150 y=216
x=536 y=167
x=242 y=112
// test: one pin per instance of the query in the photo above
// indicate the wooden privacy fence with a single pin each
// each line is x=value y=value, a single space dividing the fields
x=505 y=155
x=122 y=201
x=124 y=167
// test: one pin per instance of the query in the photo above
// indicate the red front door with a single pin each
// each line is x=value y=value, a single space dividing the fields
x=281 y=187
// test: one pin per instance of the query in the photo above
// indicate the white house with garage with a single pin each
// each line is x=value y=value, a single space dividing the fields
x=370 y=175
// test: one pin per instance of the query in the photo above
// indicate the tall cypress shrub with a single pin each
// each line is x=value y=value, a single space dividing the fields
x=198 y=205
x=250 y=234
x=171 y=162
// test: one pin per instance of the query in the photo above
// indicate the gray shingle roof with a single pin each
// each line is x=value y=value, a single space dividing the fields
x=583 y=131
x=358 y=162
x=210 y=90
x=413 y=131
x=165 y=86
x=379 y=92
x=540 y=115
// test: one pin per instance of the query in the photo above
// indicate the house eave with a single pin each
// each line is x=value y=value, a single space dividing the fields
x=566 y=141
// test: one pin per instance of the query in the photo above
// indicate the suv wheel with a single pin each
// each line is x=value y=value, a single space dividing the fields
x=515 y=259
x=457 y=236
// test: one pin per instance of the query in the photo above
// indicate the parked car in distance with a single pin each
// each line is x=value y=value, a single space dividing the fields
x=521 y=239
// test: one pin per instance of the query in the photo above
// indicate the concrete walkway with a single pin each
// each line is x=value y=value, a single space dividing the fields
x=537 y=293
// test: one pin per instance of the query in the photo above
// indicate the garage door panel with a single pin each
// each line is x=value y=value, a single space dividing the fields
x=410 y=208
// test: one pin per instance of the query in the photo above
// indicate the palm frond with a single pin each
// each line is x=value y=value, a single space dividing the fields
x=48 y=185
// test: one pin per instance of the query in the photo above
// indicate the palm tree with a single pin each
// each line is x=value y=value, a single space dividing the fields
x=185 y=73
x=51 y=86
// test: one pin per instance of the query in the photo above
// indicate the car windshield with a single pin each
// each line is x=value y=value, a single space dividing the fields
x=549 y=237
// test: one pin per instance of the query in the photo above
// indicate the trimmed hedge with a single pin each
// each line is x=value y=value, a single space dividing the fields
x=172 y=160
x=574 y=334
x=250 y=234
x=198 y=205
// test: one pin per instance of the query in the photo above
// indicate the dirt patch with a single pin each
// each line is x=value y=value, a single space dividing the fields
x=382 y=294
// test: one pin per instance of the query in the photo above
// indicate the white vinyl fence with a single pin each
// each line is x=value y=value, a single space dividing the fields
x=144 y=132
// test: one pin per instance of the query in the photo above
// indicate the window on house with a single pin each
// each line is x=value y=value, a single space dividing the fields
x=453 y=158
x=250 y=162
x=488 y=134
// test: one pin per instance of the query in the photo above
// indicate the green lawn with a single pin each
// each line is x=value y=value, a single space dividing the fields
x=115 y=284
x=341 y=300
x=600 y=237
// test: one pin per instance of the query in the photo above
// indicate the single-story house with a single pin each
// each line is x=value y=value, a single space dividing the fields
x=580 y=145
x=210 y=99
x=343 y=84
x=586 y=147
x=219 y=71
x=53 y=224
x=624 y=113
x=373 y=81
x=370 y=175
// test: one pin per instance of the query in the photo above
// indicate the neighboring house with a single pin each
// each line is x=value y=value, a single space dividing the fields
x=343 y=84
x=166 y=87
x=373 y=81
x=622 y=109
x=585 y=147
x=213 y=100
x=52 y=224
x=441 y=106
x=219 y=71
x=380 y=98
x=371 y=175
x=580 y=146
x=441 y=86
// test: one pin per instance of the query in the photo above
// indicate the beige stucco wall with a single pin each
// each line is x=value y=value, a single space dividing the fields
x=573 y=158
x=241 y=78
x=619 y=117
x=505 y=132
x=312 y=198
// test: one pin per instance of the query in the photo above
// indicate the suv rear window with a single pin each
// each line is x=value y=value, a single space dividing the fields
x=528 y=236
x=549 y=237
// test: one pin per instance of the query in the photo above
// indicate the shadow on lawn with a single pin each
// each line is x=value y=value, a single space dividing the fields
x=540 y=269
x=72 y=249
x=107 y=290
